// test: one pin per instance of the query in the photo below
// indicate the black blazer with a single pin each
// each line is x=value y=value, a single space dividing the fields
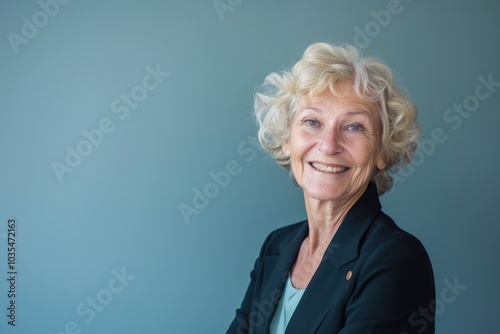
x=374 y=278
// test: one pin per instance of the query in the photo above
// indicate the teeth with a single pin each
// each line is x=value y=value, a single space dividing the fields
x=329 y=168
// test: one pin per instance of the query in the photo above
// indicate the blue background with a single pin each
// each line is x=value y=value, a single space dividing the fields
x=120 y=207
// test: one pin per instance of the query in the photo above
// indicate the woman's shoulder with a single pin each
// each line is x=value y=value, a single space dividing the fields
x=284 y=234
x=385 y=237
x=286 y=230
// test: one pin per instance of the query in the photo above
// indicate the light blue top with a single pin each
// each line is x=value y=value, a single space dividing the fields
x=286 y=306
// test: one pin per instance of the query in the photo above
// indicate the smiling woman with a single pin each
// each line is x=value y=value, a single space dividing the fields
x=342 y=127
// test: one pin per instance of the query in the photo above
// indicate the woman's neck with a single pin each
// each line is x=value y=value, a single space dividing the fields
x=324 y=219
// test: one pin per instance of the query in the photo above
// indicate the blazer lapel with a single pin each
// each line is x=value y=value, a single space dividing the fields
x=276 y=269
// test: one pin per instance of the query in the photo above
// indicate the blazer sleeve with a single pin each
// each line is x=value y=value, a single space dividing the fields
x=394 y=291
x=240 y=324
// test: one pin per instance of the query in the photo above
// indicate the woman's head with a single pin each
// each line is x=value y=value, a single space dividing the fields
x=339 y=72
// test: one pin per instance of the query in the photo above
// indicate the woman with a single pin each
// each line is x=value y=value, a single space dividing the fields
x=341 y=126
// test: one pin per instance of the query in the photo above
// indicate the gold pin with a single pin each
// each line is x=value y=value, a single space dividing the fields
x=348 y=276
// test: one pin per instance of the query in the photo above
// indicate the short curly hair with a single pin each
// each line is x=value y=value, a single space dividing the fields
x=321 y=67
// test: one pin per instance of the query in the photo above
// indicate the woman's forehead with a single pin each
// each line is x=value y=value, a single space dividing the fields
x=347 y=100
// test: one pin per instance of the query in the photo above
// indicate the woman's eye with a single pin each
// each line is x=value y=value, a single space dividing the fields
x=355 y=127
x=311 y=122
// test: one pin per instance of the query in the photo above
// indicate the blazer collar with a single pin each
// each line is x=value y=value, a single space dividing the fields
x=329 y=281
x=345 y=244
x=276 y=270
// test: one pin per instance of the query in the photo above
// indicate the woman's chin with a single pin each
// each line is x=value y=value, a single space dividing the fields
x=326 y=194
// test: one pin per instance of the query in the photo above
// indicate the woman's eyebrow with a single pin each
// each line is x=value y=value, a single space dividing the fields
x=360 y=112
x=308 y=108
x=349 y=113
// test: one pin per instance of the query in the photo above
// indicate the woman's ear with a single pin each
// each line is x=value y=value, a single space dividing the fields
x=381 y=164
x=286 y=148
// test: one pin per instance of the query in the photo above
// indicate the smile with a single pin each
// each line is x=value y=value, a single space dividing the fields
x=328 y=169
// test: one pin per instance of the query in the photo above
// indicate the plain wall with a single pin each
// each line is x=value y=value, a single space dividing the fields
x=116 y=212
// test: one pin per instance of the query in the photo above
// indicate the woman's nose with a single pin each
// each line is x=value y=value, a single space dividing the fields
x=330 y=142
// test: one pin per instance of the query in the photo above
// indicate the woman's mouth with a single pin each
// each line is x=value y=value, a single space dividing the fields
x=328 y=169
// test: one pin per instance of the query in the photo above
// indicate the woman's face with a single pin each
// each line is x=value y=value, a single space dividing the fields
x=334 y=146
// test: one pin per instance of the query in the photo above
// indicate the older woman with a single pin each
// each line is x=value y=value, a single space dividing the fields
x=341 y=126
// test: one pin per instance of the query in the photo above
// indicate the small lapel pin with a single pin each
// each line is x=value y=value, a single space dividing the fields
x=348 y=276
